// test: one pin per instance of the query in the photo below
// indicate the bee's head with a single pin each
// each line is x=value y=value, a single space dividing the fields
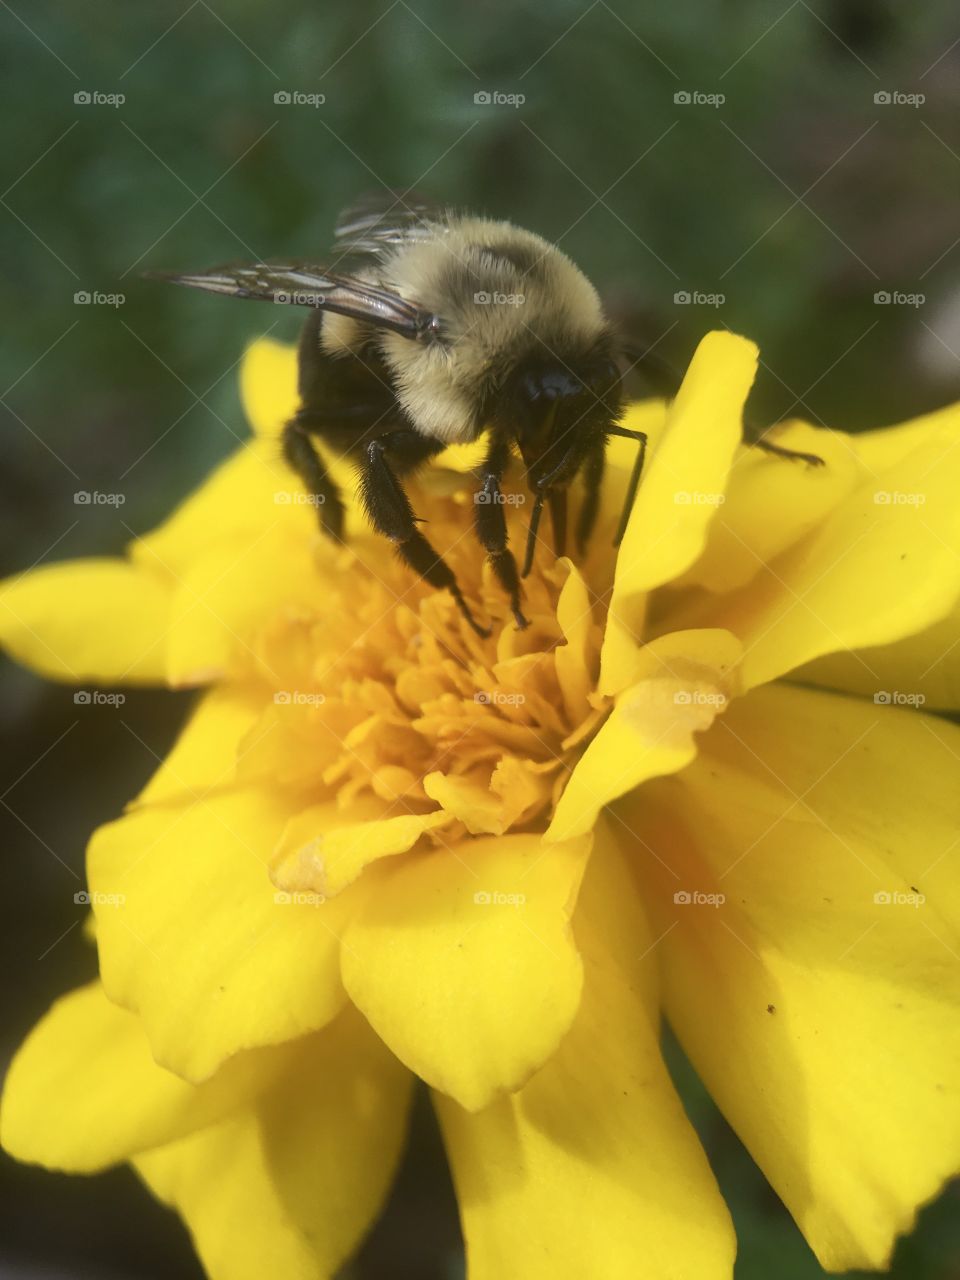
x=556 y=408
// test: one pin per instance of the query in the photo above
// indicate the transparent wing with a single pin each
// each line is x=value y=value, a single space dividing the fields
x=377 y=223
x=305 y=285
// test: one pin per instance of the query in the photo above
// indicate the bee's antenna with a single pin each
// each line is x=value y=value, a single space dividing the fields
x=634 y=483
x=532 y=535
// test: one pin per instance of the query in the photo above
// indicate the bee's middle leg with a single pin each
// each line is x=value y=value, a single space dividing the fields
x=391 y=514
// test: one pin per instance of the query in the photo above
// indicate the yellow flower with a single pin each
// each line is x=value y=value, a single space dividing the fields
x=708 y=780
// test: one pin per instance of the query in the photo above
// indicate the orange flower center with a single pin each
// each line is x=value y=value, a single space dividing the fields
x=382 y=689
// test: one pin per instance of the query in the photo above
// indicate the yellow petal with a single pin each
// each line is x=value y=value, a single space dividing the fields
x=683 y=487
x=289 y=1186
x=922 y=670
x=193 y=936
x=491 y=803
x=226 y=594
x=97 y=619
x=268 y=385
x=247 y=493
x=470 y=800
x=704 y=426
x=462 y=960
x=886 y=446
x=648 y=416
x=593 y=1169
x=268 y=389
x=682 y=682
x=204 y=757
x=804 y=874
x=324 y=848
x=572 y=658
x=83 y=1091
x=771 y=503
x=884 y=565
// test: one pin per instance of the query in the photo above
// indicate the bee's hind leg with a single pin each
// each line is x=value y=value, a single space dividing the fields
x=390 y=512
x=301 y=456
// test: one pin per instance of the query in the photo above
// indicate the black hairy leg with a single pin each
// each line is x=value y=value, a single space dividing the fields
x=391 y=514
x=301 y=456
x=491 y=525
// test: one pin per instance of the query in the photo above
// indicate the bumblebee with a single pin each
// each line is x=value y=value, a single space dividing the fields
x=439 y=327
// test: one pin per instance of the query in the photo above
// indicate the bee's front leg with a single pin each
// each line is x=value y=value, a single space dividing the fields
x=391 y=514
x=491 y=525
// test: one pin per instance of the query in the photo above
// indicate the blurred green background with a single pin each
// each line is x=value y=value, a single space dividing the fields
x=798 y=159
